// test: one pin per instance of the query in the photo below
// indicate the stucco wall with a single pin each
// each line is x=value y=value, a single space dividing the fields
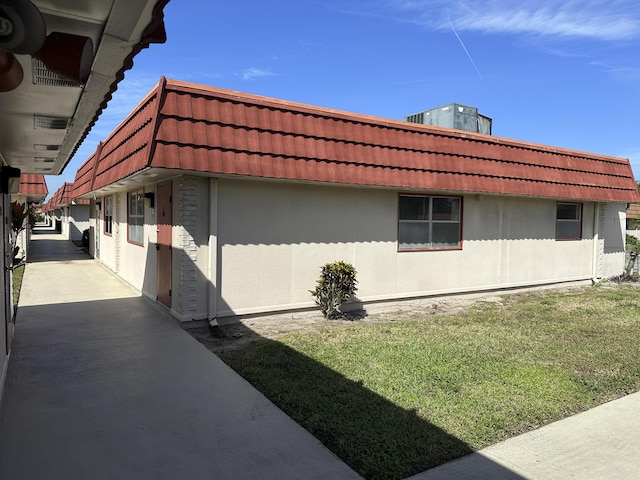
x=106 y=244
x=612 y=226
x=245 y=246
x=273 y=238
x=78 y=221
x=190 y=254
x=64 y=222
x=134 y=263
x=137 y=262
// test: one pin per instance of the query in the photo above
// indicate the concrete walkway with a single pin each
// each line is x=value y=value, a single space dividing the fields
x=600 y=444
x=103 y=385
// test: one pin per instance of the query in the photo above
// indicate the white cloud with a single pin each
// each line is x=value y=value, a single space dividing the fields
x=251 y=73
x=595 y=19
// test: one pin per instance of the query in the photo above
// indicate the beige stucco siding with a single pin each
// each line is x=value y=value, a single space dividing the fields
x=273 y=238
x=613 y=222
x=245 y=246
x=136 y=264
x=106 y=244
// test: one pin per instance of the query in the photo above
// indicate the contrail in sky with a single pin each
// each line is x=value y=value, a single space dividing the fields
x=465 y=50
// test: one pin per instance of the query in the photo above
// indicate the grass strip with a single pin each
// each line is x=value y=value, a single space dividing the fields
x=18 y=273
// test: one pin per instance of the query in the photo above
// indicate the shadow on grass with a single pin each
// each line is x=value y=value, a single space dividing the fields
x=375 y=437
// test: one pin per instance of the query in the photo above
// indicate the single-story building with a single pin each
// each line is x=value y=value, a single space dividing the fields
x=217 y=203
x=633 y=218
x=71 y=215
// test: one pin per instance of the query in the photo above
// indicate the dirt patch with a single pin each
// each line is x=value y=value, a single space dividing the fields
x=248 y=329
x=233 y=336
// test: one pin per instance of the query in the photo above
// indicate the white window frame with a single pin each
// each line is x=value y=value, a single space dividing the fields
x=135 y=217
x=108 y=215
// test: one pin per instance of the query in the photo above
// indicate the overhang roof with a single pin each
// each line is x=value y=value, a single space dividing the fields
x=64 y=196
x=33 y=185
x=46 y=117
x=633 y=211
x=187 y=127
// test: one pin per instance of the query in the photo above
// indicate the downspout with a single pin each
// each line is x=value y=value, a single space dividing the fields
x=596 y=243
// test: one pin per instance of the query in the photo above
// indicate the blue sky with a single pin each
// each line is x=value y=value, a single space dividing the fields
x=557 y=72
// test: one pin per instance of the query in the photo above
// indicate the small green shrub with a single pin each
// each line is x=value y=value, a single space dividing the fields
x=337 y=283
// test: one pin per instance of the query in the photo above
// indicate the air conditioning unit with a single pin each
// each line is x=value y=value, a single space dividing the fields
x=454 y=115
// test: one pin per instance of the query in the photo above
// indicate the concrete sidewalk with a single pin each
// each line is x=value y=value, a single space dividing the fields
x=600 y=444
x=103 y=385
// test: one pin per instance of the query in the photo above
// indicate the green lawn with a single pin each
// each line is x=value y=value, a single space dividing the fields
x=393 y=399
x=18 y=273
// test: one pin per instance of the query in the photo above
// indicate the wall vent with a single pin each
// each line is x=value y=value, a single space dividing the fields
x=39 y=147
x=50 y=122
x=43 y=76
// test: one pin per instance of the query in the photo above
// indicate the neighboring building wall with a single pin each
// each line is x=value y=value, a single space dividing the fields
x=64 y=222
x=127 y=259
x=273 y=239
x=22 y=241
x=104 y=244
x=78 y=221
x=190 y=263
x=612 y=226
x=246 y=246
x=56 y=217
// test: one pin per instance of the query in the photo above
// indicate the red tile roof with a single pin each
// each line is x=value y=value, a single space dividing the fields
x=633 y=211
x=153 y=33
x=204 y=129
x=31 y=185
x=65 y=196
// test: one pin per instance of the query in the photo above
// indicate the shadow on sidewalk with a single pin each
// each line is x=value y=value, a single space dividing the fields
x=47 y=245
x=374 y=436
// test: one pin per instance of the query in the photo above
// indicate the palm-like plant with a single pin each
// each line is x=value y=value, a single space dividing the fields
x=21 y=218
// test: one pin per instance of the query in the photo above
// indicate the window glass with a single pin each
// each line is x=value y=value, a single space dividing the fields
x=446 y=235
x=426 y=223
x=569 y=221
x=446 y=208
x=568 y=211
x=414 y=208
x=136 y=217
x=413 y=235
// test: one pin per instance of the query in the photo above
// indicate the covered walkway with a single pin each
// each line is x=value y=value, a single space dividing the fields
x=103 y=385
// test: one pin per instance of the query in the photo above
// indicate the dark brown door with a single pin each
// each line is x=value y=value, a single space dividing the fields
x=164 y=244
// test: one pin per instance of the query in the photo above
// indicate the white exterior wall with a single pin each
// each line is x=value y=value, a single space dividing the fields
x=247 y=246
x=190 y=240
x=274 y=237
x=127 y=259
x=106 y=244
x=136 y=263
x=78 y=221
x=613 y=221
x=64 y=222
